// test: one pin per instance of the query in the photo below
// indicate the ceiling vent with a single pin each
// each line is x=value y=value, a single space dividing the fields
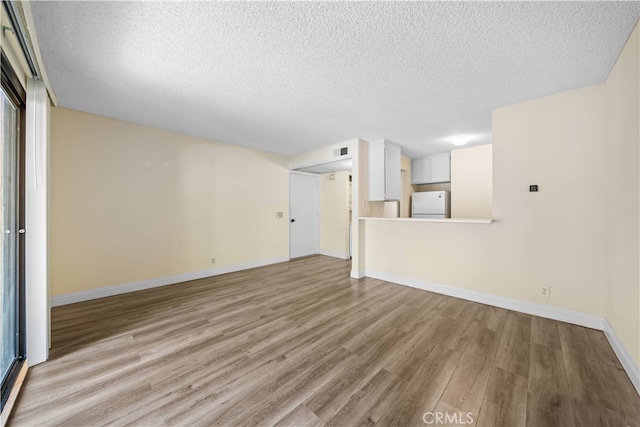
x=341 y=152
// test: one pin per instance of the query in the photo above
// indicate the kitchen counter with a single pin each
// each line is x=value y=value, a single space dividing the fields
x=448 y=220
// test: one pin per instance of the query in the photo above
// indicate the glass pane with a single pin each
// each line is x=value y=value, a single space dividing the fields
x=9 y=229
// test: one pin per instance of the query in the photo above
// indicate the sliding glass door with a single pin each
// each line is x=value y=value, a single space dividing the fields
x=12 y=351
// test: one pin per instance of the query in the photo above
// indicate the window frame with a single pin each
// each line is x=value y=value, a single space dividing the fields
x=16 y=93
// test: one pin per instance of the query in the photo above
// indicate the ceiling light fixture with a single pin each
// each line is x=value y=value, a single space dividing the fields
x=460 y=140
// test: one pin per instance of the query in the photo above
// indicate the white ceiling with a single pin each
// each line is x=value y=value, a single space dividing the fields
x=289 y=77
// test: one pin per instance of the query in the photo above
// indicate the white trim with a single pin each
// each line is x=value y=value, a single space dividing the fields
x=358 y=274
x=587 y=320
x=33 y=38
x=298 y=172
x=108 y=291
x=574 y=317
x=36 y=225
x=444 y=220
x=334 y=254
x=627 y=362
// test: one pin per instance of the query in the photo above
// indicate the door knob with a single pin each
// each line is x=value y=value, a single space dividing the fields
x=21 y=231
x=293 y=220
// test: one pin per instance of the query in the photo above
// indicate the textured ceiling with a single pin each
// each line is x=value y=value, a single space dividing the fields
x=288 y=77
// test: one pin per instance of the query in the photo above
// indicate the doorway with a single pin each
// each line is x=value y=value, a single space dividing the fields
x=303 y=226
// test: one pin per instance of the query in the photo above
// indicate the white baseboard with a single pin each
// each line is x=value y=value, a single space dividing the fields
x=108 y=291
x=555 y=313
x=358 y=274
x=630 y=366
x=334 y=254
x=577 y=318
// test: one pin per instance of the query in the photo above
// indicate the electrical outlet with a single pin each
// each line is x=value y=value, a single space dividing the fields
x=213 y=260
x=545 y=291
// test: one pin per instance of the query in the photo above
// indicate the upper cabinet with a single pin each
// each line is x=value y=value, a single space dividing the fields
x=385 y=176
x=431 y=169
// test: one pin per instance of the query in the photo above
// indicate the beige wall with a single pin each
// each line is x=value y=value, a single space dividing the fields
x=132 y=203
x=334 y=214
x=360 y=193
x=472 y=182
x=361 y=181
x=622 y=99
x=407 y=189
x=550 y=238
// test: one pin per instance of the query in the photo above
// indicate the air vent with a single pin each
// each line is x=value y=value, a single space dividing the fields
x=341 y=152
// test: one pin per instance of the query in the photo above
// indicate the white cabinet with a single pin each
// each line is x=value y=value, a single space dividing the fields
x=385 y=175
x=431 y=169
x=421 y=170
x=441 y=167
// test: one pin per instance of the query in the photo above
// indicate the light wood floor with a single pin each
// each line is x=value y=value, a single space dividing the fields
x=301 y=343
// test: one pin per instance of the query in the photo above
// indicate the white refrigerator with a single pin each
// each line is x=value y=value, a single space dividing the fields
x=430 y=204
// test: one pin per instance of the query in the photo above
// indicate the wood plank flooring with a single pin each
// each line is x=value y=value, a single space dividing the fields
x=300 y=343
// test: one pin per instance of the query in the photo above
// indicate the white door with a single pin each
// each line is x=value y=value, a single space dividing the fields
x=303 y=226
